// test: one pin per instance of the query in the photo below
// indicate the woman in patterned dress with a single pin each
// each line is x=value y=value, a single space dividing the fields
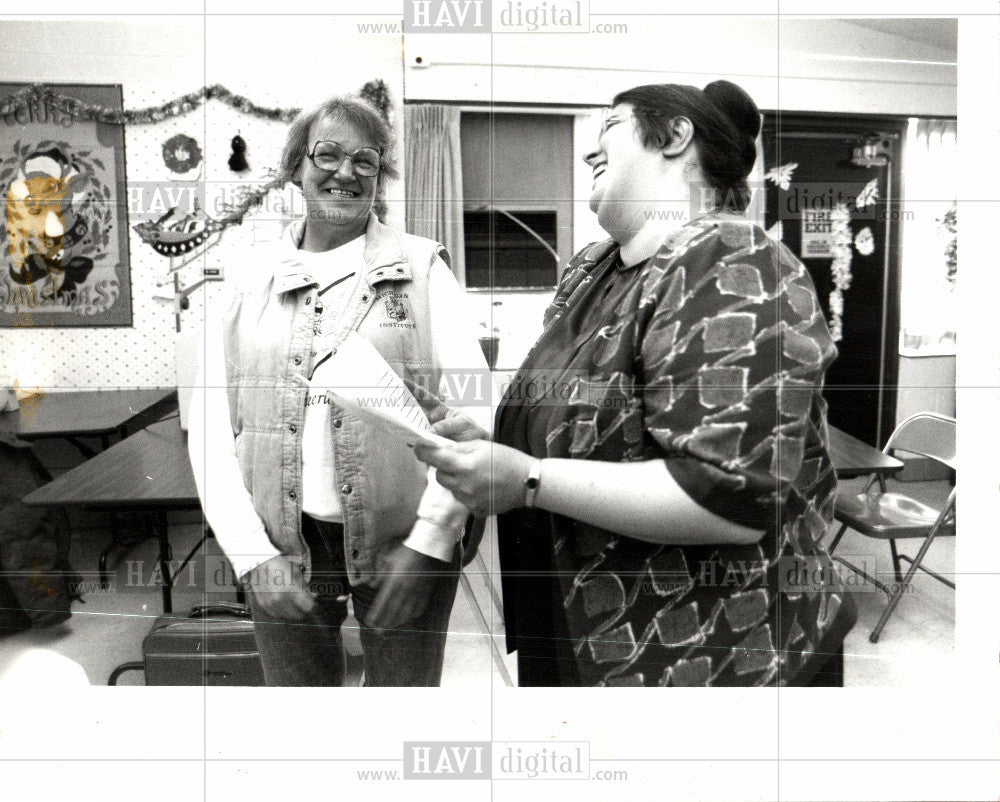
x=661 y=475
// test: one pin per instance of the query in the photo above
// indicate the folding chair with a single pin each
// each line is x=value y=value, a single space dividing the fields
x=880 y=513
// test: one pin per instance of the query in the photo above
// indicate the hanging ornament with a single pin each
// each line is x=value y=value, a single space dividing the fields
x=176 y=234
x=238 y=161
x=868 y=195
x=864 y=242
x=182 y=155
x=781 y=176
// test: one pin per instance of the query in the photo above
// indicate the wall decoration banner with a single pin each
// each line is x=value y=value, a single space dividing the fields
x=64 y=232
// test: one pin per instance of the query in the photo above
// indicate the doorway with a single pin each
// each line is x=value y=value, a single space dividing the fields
x=832 y=190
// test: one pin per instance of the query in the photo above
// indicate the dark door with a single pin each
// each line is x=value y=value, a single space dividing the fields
x=837 y=158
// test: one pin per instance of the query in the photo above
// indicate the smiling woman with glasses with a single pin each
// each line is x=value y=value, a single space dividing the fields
x=313 y=504
x=661 y=476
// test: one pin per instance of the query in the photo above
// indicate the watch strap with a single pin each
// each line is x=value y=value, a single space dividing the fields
x=532 y=483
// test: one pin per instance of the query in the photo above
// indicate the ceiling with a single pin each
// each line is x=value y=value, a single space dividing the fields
x=941 y=34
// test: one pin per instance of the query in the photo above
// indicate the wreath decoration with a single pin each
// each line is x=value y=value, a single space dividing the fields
x=181 y=153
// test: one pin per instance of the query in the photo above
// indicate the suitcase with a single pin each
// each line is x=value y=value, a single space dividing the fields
x=212 y=645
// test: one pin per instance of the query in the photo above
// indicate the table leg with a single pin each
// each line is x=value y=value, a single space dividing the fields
x=83 y=448
x=102 y=562
x=166 y=578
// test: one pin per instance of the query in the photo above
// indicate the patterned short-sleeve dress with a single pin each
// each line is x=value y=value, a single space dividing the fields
x=710 y=355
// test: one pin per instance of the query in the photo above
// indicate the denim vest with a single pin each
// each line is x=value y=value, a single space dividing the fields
x=268 y=334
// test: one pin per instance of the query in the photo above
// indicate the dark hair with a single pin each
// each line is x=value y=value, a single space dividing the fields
x=355 y=111
x=726 y=123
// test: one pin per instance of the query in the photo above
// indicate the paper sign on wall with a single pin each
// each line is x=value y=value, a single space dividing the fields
x=817 y=234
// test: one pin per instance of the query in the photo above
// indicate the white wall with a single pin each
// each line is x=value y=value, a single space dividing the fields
x=926 y=384
x=802 y=65
x=274 y=61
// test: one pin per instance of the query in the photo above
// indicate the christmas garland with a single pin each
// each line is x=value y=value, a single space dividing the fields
x=374 y=92
x=950 y=224
x=840 y=268
x=181 y=151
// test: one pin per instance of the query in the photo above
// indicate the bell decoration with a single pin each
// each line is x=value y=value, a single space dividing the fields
x=238 y=161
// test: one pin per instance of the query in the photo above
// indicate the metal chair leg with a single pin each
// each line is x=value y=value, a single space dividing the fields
x=836 y=539
x=943 y=580
x=897 y=571
x=901 y=589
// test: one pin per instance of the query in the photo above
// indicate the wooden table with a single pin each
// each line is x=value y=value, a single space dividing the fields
x=146 y=472
x=852 y=457
x=84 y=413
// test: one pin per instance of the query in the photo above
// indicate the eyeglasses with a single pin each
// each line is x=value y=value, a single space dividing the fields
x=329 y=156
x=608 y=120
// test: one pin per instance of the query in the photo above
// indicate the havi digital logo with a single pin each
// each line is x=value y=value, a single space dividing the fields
x=447 y=16
x=446 y=760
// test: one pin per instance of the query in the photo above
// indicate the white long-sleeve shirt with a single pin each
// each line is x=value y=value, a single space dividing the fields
x=226 y=502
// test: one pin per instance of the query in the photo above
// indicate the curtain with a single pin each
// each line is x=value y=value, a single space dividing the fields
x=930 y=187
x=434 y=206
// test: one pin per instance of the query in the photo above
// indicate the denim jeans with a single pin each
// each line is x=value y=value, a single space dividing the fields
x=311 y=652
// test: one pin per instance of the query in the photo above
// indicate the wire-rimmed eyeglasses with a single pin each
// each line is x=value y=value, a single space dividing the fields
x=329 y=155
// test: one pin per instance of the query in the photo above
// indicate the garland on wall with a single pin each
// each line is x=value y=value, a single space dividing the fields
x=375 y=92
x=840 y=267
x=170 y=236
x=950 y=224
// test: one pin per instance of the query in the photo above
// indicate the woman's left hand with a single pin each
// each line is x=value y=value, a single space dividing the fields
x=486 y=477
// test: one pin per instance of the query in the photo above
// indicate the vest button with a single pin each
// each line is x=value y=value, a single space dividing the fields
x=292 y=494
x=292 y=428
x=355 y=554
x=346 y=489
x=297 y=360
x=337 y=423
x=364 y=298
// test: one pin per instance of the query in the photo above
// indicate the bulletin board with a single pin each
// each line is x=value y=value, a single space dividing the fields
x=64 y=256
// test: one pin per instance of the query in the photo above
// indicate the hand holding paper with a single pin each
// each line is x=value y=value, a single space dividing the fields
x=371 y=389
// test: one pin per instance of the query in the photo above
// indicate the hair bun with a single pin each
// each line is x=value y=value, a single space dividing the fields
x=737 y=105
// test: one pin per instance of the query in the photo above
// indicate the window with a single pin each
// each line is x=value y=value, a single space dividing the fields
x=517 y=174
x=519 y=259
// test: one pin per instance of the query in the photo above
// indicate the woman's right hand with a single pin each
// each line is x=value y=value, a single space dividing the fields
x=459 y=427
x=279 y=590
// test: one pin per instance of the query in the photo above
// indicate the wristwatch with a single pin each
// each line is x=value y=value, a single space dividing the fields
x=532 y=482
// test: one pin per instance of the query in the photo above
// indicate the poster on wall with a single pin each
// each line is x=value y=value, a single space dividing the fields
x=64 y=232
x=817 y=234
